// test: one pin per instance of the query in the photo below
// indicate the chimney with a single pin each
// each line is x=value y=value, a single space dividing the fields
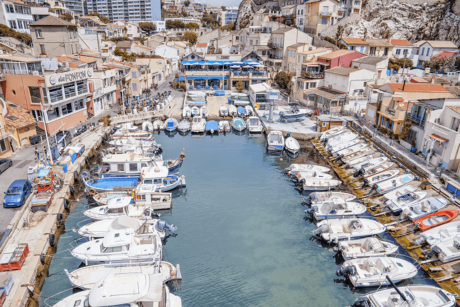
x=432 y=80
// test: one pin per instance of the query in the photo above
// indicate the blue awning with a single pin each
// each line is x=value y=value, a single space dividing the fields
x=181 y=78
x=193 y=62
x=259 y=78
x=206 y=77
x=215 y=62
x=250 y=63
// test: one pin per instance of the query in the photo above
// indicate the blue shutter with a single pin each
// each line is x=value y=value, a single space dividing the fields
x=362 y=49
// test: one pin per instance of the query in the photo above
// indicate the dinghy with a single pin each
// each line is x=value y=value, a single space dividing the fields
x=184 y=126
x=249 y=110
x=398 y=204
x=395 y=183
x=414 y=295
x=436 y=219
x=306 y=175
x=223 y=111
x=232 y=110
x=400 y=192
x=197 y=101
x=312 y=184
x=320 y=197
x=346 y=229
x=147 y=126
x=254 y=124
x=447 y=250
x=341 y=139
x=336 y=209
x=86 y=277
x=291 y=144
x=369 y=164
x=198 y=125
x=224 y=126
x=171 y=124
x=195 y=111
x=187 y=112
x=212 y=127
x=359 y=161
x=332 y=132
x=158 y=125
x=379 y=169
x=439 y=234
x=424 y=208
x=387 y=175
x=337 y=149
x=353 y=150
x=127 y=127
x=196 y=94
x=238 y=124
x=309 y=167
x=204 y=112
x=366 y=247
x=241 y=112
x=275 y=141
x=372 y=272
x=363 y=152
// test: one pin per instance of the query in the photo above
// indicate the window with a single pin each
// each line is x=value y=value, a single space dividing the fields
x=372 y=50
x=423 y=51
x=324 y=21
x=121 y=167
x=78 y=105
x=385 y=52
x=55 y=93
x=308 y=7
x=42 y=49
x=3 y=147
x=398 y=51
x=37 y=114
x=53 y=114
x=82 y=87
x=67 y=109
x=9 y=8
x=427 y=51
x=134 y=85
x=133 y=167
x=69 y=90
x=20 y=24
x=13 y=24
x=334 y=8
x=405 y=51
x=35 y=96
x=71 y=49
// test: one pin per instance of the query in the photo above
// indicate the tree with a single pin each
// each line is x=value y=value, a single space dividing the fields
x=339 y=33
x=184 y=13
x=147 y=26
x=365 y=33
x=283 y=79
x=66 y=16
x=101 y=17
x=174 y=24
x=118 y=52
x=239 y=86
x=191 y=37
x=397 y=64
x=186 y=3
x=192 y=25
x=440 y=63
x=228 y=27
x=7 y=31
x=224 y=8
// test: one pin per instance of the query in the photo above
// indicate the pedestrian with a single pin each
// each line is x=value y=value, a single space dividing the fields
x=37 y=154
x=11 y=144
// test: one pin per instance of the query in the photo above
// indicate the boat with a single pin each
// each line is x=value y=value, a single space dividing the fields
x=254 y=124
x=395 y=183
x=204 y=112
x=424 y=207
x=378 y=170
x=137 y=135
x=142 y=225
x=239 y=99
x=171 y=124
x=336 y=209
x=184 y=126
x=197 y=101
x=400 y=192
x=293 y=113
x=127 y=127
x=320 y=197
x=332 y=132
x=373 y=271
x=223 y=111
x=309 y=167
x=312 y=174
x=241 y=112
x=398 y=204
x=369 y=164
x=212 y=127
x=337 y=149
x=43 y=197
x=414 y=295
x=238 y=124
x=232 y=111
x=336 y=230
x=224 y=126
x=387 y=175
x=195 y=111
x=249 y=110
x=312 y=184
x=133 y=142
x=359 y=161
x=354 y=150
x=103 y=198
x=117 y=207
x=158 y=125
x=439 y=234
x=364 y=152
x=291 y=144
x=447 y=250
x=187 y=112
x=86 y=277
x=196 y=94
x=198 y=125
x=366 y=247
x=275 y=141
x=435 y=219
x=341 y=139
x=147 y=126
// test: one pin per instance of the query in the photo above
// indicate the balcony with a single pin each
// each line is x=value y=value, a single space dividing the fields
x=326 y=14
x=250 y=75
x=275 y=46
x=356 y=4
x=311 y=75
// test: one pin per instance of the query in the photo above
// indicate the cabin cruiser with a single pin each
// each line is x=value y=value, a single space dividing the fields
x=184 y=126
x=439 y=234
x=146 y=144
x=223 y=111
x=291 y=144
x=366 y=247
x=171 y=124
x=254 y=124
x=336 y=209
x=198 y=125
x=121 y=246
x=372 y=272
x=238 y=124
x=346 y=229
x=275 y=141
x=332 y=132
x=154 y=200
x=232 y=110
x=293 y=113
x=239 y=99
x=399 y=203
x=395 y=183
x=309 y=167
x=117 y=207
x=204 y=112
x=224 y=126
x=424 y=208
x=158 y=125
x=127 y=127
x=320 y=197
x=313 y=184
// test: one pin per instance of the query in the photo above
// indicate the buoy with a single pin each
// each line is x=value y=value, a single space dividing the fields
x=172 y=274
x=281 y=159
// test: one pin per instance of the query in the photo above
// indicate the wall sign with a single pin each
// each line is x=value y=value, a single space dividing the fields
x=69 y=76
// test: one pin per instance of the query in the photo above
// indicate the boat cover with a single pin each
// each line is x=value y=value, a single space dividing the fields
x=241 y=110
x=219 y=93
x=125 y=222
x=170 y=124
x=197 y=102
x=212 y=125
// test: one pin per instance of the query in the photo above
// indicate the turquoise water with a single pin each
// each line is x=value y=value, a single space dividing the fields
x=242 y=237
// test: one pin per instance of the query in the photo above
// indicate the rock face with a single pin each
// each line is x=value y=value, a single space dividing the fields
x=245 y=13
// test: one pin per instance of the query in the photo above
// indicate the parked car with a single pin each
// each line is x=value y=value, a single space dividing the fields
x=35 y=139
x=17 y=193
x=5 y=164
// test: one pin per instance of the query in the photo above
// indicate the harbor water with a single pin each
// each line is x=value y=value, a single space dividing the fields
x=243 y=238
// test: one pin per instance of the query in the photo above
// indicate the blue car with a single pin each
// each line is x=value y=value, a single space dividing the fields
x=17 y=193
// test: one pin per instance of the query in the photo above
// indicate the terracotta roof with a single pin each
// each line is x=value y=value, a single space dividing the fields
x=18 y=117
x=336 y=54
x=441 y=44
x=52 y=21
x=418 y=87
x=378 y=42
x=202 y=45
x=455 y=108
x=317 y=50
x=139 y=46
x=397 y=98
x=124 y=44
x=341 y=70
x=82 y=59
x=438 y=138
x=445 y=54
x=400 y=42
x=354 y=41
x=372 y=60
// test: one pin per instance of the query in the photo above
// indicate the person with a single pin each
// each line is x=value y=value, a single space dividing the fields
x=37 y=154
x=11 y=144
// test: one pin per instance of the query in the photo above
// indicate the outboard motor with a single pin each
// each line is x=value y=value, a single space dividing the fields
x=360 y=172
x=162 y=225
x=420 y=240
x=312 y=210
x=149 y=212
x=366 y=183
x=374 y=188
x=306 y=200
x=434 y=251
x=338 y=159
x=347 y=271
x=301 y=181
x=362 y=301
x=338 y=251
x=321 y=229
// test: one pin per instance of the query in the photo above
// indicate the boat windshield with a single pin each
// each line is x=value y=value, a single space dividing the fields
x=242 y=98
x=86 y=303
x=254 y=121
x=14 y=191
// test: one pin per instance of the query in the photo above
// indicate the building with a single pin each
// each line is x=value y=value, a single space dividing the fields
x=160 y=25
x=320 y=14
x=59 y=7
x=169 y=53
x=300 y=17
x=119 y=10
x=379 y=47
x=373 y=63
x=325 y=99
x=282 y=38
x=402 y=48
x=202 y=48
x=5 y=133
x=52 y=36
x=17 y=15
x=352 y=81
x=103 y=86
x=132 y=30
x=21 y=123
x=339 y=58
x=426 y=49
x=228 y=16
x=358 y=44
x=349 y=8
x=76 y=6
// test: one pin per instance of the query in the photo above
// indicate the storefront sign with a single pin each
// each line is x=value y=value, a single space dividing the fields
x=69 y=76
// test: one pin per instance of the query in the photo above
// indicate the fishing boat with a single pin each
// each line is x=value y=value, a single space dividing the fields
x=293 y=113
x=364 y=248
x=395 y=183
x=241 y=112
x=347 y=229
x=369 y=164
x=341 y=139
x=320 y=197
x=238 y=124
x=332 y=132
x=86 y=277
x=144 y=224
x=43 y=197
x=408 y=295
x=171 y=124
x=387 y=175
x=373 y=272
x=131 y=289
x=133 y=142
x=400 y=192
x=249 y=110
x=198 y=125
x=312 y=184
x=204 y=112
x=127 y=127
x=309 y=167
x=336 y=209
x=223 y=111
x=184 y=126
x=291 y=144
x=424 y=208
x=337 y=149
x=224 y=126
x=275 y=141
x=435 y=219
x=439 y=234
x=147 y=126
x=212 y=127
x=232 y=111
x=158 y=125
x=254 y=124
x=347 y=153
x=187 y=112
x=378 y=170
x=195 y=111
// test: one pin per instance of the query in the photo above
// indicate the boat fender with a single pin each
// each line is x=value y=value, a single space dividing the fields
x=378 y=149
x=400 y=165
x=86 y=159
x=72 y=190
x=407 y=171
x=416 y=178
x=92 y=191
x=312 y=210
x=75 y=175
x=42 y=258
x=52 y=240
x=382 y=155
x=66 y=204
x=347 y=271
x=59 y=218
x=392 y=159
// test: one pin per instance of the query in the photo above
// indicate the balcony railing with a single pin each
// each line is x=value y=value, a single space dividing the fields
x=312 y=75
x=273 y=45
x=442 y=129
x=329 y=13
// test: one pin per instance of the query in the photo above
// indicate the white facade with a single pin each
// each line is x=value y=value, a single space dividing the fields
x=17 y=17
x=425 y=51
x=168 y=53
x=352 y=83
x=132 y=30
x=400 y=50
x=350 y=7
x=122 y=10
x=161 y=25
x=90 y=39
x=229 y=16
x=104 y=90
x=300 y=16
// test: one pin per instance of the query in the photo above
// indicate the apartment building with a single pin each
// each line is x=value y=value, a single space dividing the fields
x=120 y=10
x=17 y=15
x=76 y=6
x=320 y=14
x=228 y=15
x=283 y=38
x=402 y=48
x=349 y=8
x=427 y=49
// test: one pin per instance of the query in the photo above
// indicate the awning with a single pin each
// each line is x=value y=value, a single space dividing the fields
x=215 y=62
x=193 y=62
x=438 y=138
x=181 y=78
x=206 y=77
x=250 y=63
x=259 y=78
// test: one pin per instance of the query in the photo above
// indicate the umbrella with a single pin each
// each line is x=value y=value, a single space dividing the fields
x=234 y=66
x=197 y=63
x=238 y=63
x=247 y=66
x=259 y=65
x=188 y=64
x=216 y=64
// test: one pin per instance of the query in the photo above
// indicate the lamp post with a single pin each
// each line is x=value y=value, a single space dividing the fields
x=45 y=116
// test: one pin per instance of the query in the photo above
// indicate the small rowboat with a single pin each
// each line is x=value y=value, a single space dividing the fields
x=354 y=150
x=379 y=169
x=435 y=219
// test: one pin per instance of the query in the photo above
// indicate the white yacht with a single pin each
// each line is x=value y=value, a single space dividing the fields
x=313 y=184
x=146 y=144
x=187 y=112
x=232 y=111
x=147 y=126
x=369 y=164
x=204 y=112
x=384 y=176
x=137 y=135
x=366 y=247
x=338 y=148
x=198 y=125
x=127 y=127
x=275 y=141
x=332 y=132
x=336 y=209
x=354 y=149
x=320 y=197
x=347 y=229
x=308 y=175
x=184 y=126
x=395 y=183
x=341 y=139
x=358 y=154
x=156 y=199
x=254 y=124
x=439 y=234
x=309 y=167
x=158 y=125
x=400 y=192
x=249 y=110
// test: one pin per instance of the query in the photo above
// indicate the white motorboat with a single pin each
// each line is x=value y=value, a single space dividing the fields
x=86 y=277
x=336 y=209
x=424 y=208
x=117 y=207
x=312 y=184
x=346 y=229
x=400 y=192
x=158 y=125
x=224 y=126
x=447 y=250
x=320 y=197
x=131 y=289
x=372 y=272
x=387 y=175
x=341 y=139
x=137 y=135
x=147 y=126
x=240 y=99
x=275 y=141
x=414 y=295
x=395 y=183
x=254 y=124
x=378 y=169
x=142 y=225
x=127 y=127
x=187 y=112
x=196 y=94
x=354 y=149
x=369 y=164
x=306 y=175
x=398 y=204
x=359 y=161
x=198 y=125
x=439 y=234
x=133 y=142
x=232 y=111
x=171 y=124
x=204 y=112
x=238 y=124
x=366 y=247
x=249 y=110
x=125 y=246
x=184 y=126
x=332 y=132
x=309 y=167
x=363 y=152
x=223 y=111
x=155 y=199
x=195 y=111
x=291 y=145
x=337 y=149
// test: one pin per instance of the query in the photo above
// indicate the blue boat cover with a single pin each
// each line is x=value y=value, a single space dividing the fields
x=170 y=123
x=197 y=102
x=241 y=110
x=212 y=125
x=219 y=93
x=43 y=172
